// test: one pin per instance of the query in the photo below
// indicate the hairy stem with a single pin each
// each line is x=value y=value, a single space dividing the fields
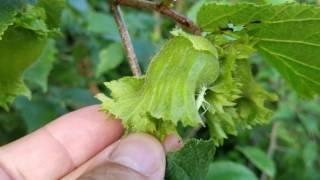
x=164 y=10
x=125 y=37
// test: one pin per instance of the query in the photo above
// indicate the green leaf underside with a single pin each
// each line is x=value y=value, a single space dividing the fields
x=191 y=162
x=227 y=170
x=156 y=102
x=287 y=37
x=22 y=42
x=260 y=159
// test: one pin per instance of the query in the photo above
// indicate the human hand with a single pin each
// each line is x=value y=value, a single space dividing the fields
x=85 y=145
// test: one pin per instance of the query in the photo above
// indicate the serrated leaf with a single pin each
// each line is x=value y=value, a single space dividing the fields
x=260 y=159
x=110 y=58
x=226 y=89
x=222 y=118
x=223 y=124
x=22 y=43
x=53 y=10
x=286 y=35
x=38 y=72
x=9 y=91
x=166 y=95
x=227 y=170
x=8 y=10
x=251 y=106
x=235 y=101
x=33 y=18
x=19 y=48
x=191 y=162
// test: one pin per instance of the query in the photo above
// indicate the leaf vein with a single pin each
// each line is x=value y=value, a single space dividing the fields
x=290 y=41
x=289 y=67
x=292 y=20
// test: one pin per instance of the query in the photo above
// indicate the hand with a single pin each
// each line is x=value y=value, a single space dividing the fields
x=85 y=145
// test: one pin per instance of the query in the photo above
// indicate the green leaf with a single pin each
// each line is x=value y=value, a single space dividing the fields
x=165 y=96
x=310 y=154
x=191 y=162
x=100 y=23
x=214 y=17
x=81 y=6
x=9 y=91
x=279 y=1
x=192 y=13
x=260 y=159
x=110 y=58
x=38 y=112
x=33 y=18
x=53 y=10
x=19 y=48
x=74 y=97
x=22 y=43
x=286 y=36
x=8 y=11
x=309 y=121
x=227 y=170
x=38 y=72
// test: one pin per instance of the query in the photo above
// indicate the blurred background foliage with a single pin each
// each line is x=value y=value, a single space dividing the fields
x=88 y=52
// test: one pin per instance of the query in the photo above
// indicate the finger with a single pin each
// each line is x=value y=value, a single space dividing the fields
x=138 y=153
x=112 y=171
x=172 y=143
x=61 y=146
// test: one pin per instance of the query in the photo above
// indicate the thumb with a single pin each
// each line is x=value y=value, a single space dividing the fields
x=112 y=171
x=138 y=156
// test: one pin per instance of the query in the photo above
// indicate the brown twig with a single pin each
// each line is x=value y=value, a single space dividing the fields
x=164 y=10
x=272 y=145
x=125 y=37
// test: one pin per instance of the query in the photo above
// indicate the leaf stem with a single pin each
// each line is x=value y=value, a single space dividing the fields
x=164 y=10
x=125 y=37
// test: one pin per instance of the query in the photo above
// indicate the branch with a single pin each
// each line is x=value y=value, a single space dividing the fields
x=272 y=145
x=126 y=40
x=164 y=10
x=273 y=139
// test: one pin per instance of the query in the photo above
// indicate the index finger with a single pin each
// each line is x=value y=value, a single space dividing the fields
x=60 y=146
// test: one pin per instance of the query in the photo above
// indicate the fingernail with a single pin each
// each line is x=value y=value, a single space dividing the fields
x=139 y=152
